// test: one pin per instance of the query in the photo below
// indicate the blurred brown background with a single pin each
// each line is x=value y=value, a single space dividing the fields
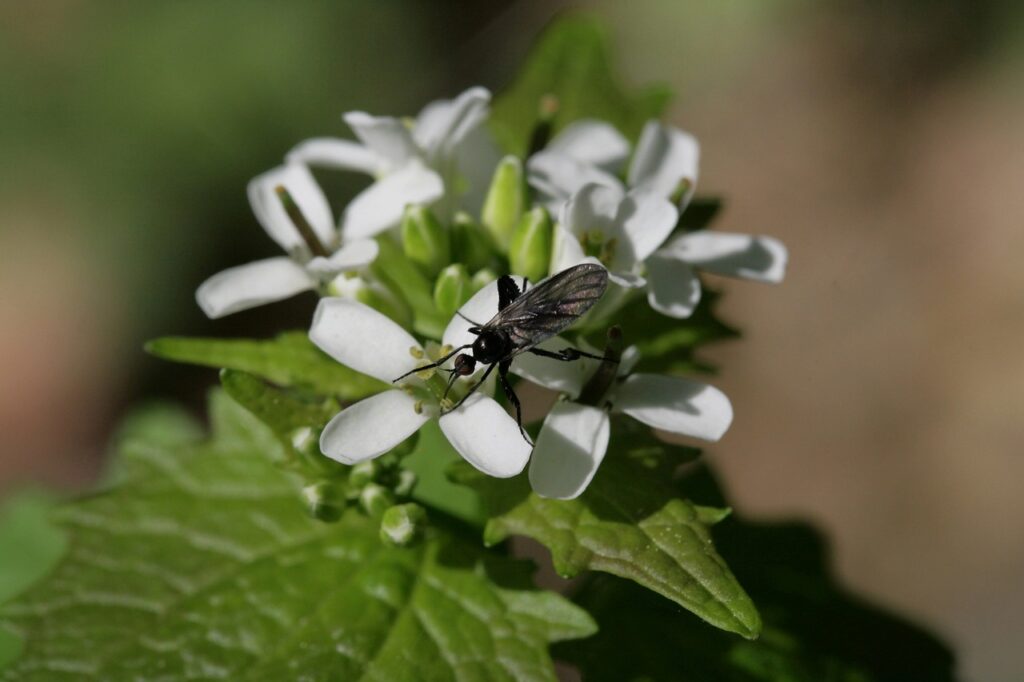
x=878 y=392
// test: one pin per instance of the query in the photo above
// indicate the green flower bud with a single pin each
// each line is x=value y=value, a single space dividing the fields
x=505 y=202
x=451 y=289
x=482 y=278
x=529 y=252
x=375 y=499
x=325 y=500
x=363 y=473
x=424 y=239
x=470 y=242
x=403 y=525
x=406 y=482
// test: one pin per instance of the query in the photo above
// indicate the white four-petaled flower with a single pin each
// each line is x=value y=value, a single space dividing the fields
x=446 y=156
x=273 y=279
x=369 y=342
x=573 y=440
x=626 y=228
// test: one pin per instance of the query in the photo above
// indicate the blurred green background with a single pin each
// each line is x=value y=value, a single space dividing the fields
x=879 y=392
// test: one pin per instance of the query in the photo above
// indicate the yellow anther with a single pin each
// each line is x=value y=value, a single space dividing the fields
x=416 y=352
x=418 y=407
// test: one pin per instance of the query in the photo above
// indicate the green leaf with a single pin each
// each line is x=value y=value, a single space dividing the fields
x=30 y=546
x=432 y=456
x=289 y=359
x=202 y=564
x=571 y=61
x=283 y=412
x=815 y=631
x=630 y=522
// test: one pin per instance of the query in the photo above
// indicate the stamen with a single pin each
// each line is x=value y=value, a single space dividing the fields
x=416 y=352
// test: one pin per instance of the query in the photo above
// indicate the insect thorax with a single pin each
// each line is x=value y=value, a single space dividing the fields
x=491 y=346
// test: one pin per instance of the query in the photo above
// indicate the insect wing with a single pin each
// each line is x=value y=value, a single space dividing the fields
x=551 y=306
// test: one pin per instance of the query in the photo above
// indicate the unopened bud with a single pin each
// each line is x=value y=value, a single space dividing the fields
x=470 y=244
x=406 y=482
x=505 y=201
x=482 y=278
x=375 y=499
x=529 y=252
x=363 y=473
x=403 y=524
x=325 y=500
x=424 y=239
x=451 y=289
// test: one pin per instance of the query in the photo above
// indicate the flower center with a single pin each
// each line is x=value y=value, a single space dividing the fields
x=596 y=245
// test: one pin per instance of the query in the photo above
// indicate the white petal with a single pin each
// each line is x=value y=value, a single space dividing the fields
x=593 y=142
x=559 y=176
x=476 y=158
x=647 y=220
x=673 y=286
x=569 y=449
x=627 y=279
x=665 y=156
x=443 y=124
x=368 y=341
x=762 y=259
x=487 y=437
x=329 y=152
x=371 y=427
x=481 y=307
x=566 y=250
x=308 y=196
x=251 y=285
x=681 y=406
x=388 y=137
x=351 y=256
x=381 y=205
x=557 y=375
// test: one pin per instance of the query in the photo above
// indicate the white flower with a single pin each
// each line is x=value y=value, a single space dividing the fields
x=446 y=154
x=589 y=151
x=625 y=229
x=574 y=437
x=274 y=279
x=369 y=342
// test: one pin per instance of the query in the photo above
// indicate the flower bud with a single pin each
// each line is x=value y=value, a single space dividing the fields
x=425 y=240
x=375 y=499
x=470 y=243
x=325 y=500
x=505 y=201
x=406 y=482
x=363 y=473
x=482 y=278
x=529 y=252
x=451 y=289
x=403 y=524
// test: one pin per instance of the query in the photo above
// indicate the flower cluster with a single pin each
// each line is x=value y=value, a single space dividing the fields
x=445 y=217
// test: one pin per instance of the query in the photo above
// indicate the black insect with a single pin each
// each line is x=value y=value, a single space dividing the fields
x=524 y=319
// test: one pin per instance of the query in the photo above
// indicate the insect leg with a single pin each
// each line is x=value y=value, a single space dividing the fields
x=472 y=390
x=566 y=354
x=477 y=324
x=433 y=364
x=512 y=397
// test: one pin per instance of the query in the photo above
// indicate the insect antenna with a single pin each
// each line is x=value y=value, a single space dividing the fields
x=433 y=364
